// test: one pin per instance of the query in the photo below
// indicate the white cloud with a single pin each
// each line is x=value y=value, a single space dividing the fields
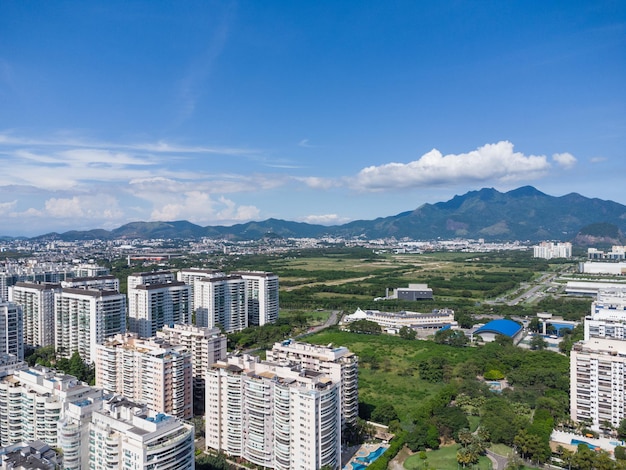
x=315 y=182
x=598 y=159
x=324 y=219
x=6 y=207
x=492 y=161
x=200 y=208
x=566 y=160
x=86 y=207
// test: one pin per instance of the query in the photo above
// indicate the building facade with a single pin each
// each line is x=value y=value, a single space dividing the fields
x=597 y=379
x=261 y=296
x=274 y=416
x=156 y=299
x=37 y=302
x=11 y=330
x=549 y=250
x=150 y=371
x=338 y=363
x=221 y=301
x=32 y=401
x=129 y=436
x=206 y=345
x=84 y=318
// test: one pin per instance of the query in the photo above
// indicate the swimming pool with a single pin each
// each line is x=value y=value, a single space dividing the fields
x=357 y=466
x=369 y=458
x=591 y=446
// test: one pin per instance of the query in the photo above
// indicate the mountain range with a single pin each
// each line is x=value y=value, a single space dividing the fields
x=521 y=214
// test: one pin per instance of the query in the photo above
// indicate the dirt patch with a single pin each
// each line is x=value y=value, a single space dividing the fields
x=398 y=461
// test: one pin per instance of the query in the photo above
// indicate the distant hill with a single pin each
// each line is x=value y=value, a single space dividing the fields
x=521 y=214
x=600 y=235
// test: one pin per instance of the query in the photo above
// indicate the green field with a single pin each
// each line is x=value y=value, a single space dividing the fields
x=388 y=367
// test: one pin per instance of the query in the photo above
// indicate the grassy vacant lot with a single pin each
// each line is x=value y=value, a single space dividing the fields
x=388 y=367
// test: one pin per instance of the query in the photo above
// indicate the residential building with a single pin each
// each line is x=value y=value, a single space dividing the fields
x=32 y=401
x=73 y=431
x=11 y=330
x=90 y=270
x=338 y=363
x=84 y=318
x=37 y=302
x=150 y=371
x=274 y=416
x=29 y=456
x=261 y=296
x=608 y=315
x=126 y=435
x=156 y=299
x=549 y=250
x=221 y=302
x=96 y=282
x=191 y=275
x=597 y=378
x=206 y=345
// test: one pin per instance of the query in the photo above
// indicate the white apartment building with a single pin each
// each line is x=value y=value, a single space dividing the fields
x=37 y=302
x=97 y=282
x=338 y=363
x=597 y=378
x=84 y=318
x=126 y=435
x=221 y=301
x=32 y=401
x=261 y=296
x=608 y=315
x=549 y=250
x=191 y=275
x=90 y=270
x=156 y=299
x=73 y=431
x=274 y=416
x=11 y=330
x=150 y=371
x=150 y=277
x=206 y=345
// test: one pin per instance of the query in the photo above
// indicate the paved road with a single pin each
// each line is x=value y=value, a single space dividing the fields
x=499 y=461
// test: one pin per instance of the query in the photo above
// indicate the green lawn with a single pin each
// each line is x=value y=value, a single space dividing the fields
x=443 y=459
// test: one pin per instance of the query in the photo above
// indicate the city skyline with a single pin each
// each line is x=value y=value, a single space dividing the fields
x=226 y=112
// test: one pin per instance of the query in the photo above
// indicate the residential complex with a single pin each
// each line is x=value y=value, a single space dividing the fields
x=155 y=299
x=274 y=416
x=84 y=318
x=221 y=302
x=37 y=302
x=32 y=401
x=598 y=364
x=128 y=435
x=597 y=378
x=150 y=371
x=549 y=250
x=191 y=275
x=11 y=330
x=206 y=345
x=338 y=363
x=261 y=296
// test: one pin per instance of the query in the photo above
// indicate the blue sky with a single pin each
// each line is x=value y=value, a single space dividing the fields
x=323 y=112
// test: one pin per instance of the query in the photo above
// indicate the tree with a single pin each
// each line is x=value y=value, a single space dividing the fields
x=538 y=343
x=365 y=327
x=424 y=436
x=407 y=333
x=620 y=453
x=451 y=337
x=621 y=430
x=384 y=414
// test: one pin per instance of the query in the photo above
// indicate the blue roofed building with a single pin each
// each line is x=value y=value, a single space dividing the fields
x=509 y=328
